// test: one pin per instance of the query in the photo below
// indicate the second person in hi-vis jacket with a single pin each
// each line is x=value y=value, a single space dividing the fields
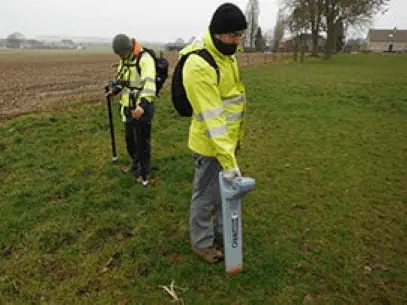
x=135 y=83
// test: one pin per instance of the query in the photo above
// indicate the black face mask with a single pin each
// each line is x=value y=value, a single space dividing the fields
x=224 y=48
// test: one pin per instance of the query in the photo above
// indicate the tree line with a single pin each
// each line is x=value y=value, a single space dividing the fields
x=311 y=18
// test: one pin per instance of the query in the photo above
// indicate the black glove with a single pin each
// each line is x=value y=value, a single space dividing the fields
x=123 y=83
x=148 y=108
x=116 y=90
x=144 y=104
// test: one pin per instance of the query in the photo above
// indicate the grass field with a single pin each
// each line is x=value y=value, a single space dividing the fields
x=326 y=224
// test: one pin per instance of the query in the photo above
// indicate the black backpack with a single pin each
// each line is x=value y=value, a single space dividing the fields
x=161 y=68
x=178 y=93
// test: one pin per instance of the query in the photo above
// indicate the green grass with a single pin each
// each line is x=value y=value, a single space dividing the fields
x=326 y=224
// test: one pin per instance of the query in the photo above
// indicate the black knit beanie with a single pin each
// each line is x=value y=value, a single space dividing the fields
x=122 y=44
x=227 y=18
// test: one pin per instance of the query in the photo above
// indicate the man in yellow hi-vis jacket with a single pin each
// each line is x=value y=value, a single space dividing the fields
x=217 y=124
x=135 y=82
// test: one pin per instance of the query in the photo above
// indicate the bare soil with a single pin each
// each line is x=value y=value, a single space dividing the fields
x=38 y=82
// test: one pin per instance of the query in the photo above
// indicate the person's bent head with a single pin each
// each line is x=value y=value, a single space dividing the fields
x=227 y=28
x=122 y=46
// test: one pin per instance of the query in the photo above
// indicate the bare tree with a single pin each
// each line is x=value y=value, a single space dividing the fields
x=310 y=12
x=252 y=17
x=340 y=37
x=298 y=23
x=314 y=8
x=15 y=40
x=278 y=29
x=260 y=41
x=346 y=13
x=334 y=16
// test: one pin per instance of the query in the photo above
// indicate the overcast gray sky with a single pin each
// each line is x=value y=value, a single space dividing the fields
x=152 y=20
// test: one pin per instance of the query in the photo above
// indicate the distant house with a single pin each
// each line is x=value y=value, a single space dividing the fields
x=3 y=43
x=175 y=46
x=355 y=45
x=387 y=40
x=179 y=44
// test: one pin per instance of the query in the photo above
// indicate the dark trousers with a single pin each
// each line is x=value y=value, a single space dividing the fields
x=205 y=216
x=138 y=144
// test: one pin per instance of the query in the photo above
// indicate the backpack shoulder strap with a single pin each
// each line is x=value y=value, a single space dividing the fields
x=138 y=61
x=204 y=53
x=120 y=71
x=145 y=50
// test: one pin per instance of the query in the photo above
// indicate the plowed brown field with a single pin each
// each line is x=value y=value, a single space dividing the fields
x=38 y=82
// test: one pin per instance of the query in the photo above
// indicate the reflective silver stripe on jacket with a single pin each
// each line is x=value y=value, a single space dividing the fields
x=217 y=131
x=148 y=91
x=234 y=100
x=135 y=84
x=208 y=114
x=235 y=116
x=148 y=79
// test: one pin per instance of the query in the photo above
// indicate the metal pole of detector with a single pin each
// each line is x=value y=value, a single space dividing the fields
x=231 y=195
x=109 y=110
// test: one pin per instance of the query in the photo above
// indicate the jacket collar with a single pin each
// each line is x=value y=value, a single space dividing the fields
x=207 y=40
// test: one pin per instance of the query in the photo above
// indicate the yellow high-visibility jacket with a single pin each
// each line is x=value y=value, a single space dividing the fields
x=140 y=85
x=218 y=119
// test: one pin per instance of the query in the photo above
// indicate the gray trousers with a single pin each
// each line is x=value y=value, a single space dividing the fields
x=205 y=219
